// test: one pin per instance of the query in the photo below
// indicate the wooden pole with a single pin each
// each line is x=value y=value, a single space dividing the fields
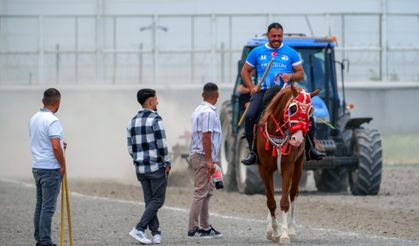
x=62 y=215
x=67 y=198
x=65 y=203
x=257 y=90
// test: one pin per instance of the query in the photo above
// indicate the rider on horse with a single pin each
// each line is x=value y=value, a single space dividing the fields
x=286 y=67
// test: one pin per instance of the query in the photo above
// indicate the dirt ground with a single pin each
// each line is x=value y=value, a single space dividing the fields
x=394 y=212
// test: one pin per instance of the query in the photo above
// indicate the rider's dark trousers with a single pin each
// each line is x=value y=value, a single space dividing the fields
x=253 y=114
x=310 y=135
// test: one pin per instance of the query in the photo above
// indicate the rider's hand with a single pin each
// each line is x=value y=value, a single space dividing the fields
x=253 y=91
x=286 y=77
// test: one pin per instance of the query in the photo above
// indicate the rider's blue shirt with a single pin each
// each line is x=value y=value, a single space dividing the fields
x=285 y=58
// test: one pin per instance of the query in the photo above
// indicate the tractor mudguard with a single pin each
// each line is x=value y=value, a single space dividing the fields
x=357 y=122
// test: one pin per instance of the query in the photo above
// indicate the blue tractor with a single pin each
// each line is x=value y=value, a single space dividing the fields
x=354 y=151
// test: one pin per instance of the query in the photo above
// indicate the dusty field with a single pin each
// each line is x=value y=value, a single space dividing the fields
x=392 y=213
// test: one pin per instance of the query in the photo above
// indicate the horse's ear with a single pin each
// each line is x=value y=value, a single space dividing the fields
x=294 y=90
x=315 y=92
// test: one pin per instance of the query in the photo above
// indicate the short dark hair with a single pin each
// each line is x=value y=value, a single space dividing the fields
x=51 y=96
x=210 y=87
x=144 y=94
x=275 y=25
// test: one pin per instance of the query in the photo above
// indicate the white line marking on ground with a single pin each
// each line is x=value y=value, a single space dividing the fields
x=227 y=217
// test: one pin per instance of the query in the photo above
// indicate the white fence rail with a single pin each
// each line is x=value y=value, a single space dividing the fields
x=170 y=48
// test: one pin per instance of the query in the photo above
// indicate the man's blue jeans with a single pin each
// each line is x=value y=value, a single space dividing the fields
x=47 y=183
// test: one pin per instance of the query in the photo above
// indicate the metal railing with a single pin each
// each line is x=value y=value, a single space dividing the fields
x=110 y=62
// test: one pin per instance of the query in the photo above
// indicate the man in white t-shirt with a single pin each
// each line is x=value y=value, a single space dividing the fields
x=48 y=163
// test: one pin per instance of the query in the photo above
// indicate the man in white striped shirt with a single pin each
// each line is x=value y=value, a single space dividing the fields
x=204 y=153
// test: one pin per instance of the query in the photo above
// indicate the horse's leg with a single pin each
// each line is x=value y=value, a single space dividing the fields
x=272 y=228
x=292 y=233
x=298 y=171
x=287 y=170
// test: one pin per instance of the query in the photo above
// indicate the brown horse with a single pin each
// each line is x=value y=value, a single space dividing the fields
x=280 y=145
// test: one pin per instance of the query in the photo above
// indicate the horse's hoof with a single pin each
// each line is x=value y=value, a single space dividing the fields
x=269 y=234
x=284 y=240
x=271 y=237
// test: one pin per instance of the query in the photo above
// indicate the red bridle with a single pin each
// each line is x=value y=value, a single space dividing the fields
x=296 y=117
x=298 y=113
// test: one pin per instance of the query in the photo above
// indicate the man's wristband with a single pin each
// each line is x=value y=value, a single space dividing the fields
x=291 y=77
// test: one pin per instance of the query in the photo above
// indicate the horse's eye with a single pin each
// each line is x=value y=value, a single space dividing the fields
x=292 y=109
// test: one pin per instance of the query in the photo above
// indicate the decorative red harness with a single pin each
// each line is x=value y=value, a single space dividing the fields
x=296 y=117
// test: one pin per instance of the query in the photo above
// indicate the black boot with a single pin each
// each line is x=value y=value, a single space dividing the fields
x=311 y=152
x=314 y=154
x=250 y=159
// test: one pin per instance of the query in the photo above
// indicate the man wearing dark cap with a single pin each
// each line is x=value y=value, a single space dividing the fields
x=147 y=146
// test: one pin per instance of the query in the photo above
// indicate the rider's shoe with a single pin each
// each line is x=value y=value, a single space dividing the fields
x=250 y=159
x=314 y=154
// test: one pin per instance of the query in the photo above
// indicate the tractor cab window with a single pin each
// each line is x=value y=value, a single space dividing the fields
x=315 y=71
x=319 y=73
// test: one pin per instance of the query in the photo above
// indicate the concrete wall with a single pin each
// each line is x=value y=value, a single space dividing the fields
x=393 y=106
x=95 y=118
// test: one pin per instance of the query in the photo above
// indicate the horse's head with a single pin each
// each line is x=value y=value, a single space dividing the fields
x=297 y=114
x=290 y=111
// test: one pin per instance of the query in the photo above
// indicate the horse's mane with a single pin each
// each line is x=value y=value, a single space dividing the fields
x=277 y=104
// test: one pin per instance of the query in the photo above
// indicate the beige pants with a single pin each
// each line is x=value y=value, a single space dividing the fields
x=202 y=193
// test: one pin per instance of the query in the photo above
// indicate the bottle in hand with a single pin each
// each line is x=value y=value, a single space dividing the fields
x=217 y=177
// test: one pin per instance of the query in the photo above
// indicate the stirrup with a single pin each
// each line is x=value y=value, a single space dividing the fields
x=314 y=154
x=250 y=159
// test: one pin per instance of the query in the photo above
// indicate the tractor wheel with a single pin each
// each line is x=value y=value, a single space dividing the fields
x=227 y=150
x=247 y=177
x=366 y=179
x=331 y=180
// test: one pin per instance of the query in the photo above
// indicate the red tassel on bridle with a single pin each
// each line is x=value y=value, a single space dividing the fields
x=267 y=144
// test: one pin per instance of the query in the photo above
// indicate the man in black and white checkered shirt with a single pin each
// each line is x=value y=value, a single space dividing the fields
x=147 y=146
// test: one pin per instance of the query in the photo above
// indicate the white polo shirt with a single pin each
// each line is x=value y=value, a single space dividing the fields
x=43 y=126
x=205 y=119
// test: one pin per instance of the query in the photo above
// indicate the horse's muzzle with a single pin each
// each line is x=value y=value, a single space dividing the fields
x=297 y=138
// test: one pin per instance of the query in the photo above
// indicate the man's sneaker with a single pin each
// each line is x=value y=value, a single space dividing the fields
x=139 y=236
x=156 y=239
x=211 y=233
x=195 y=233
